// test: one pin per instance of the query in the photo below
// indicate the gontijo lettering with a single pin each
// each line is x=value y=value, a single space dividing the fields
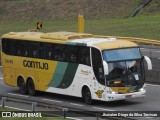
x=34 y=64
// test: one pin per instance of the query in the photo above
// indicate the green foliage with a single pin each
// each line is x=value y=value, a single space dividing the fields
x=142 y=26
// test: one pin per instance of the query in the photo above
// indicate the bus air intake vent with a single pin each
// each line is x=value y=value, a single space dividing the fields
x=65 y=35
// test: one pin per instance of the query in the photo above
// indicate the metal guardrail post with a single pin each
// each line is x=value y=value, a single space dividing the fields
x=34 y=104
x=97 y=116
x=64 y=112
x=3 y=101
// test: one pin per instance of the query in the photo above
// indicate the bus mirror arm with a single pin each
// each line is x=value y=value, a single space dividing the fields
x=149 y=63
x=105 y=66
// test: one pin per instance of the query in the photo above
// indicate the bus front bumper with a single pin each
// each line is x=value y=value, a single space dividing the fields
x=115 y=97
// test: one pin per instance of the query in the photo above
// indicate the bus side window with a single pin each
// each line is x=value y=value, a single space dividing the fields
x=12 y=47
x=46 y=51
x=85 y=56
x=24 y=48
x=71 y=53
x=59 y=53
x=5 y=45
x=18 y=47
x=34 y=49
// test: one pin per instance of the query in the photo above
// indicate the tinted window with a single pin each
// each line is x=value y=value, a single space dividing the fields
x=59 y=52
x=46 y=51
x=85 y=55
x=5 y=48
x=97 y=65
x=34 y=49
x=24 y=46
x=72 y=54
x=49 y=51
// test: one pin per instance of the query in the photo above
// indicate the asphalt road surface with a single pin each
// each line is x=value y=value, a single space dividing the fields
x=151 y=102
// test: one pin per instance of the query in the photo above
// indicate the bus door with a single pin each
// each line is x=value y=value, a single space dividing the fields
x=97 y=65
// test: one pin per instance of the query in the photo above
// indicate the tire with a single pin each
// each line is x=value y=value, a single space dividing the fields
x=31 y=88
x=86 y=94
x=22 y=86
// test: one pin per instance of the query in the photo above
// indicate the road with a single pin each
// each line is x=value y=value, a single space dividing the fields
x=151 y=102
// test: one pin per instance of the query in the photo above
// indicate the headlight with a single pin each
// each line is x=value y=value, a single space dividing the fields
x=113 y=92
x=142 y=89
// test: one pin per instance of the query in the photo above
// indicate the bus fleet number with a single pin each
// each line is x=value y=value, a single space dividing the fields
x=8 y=61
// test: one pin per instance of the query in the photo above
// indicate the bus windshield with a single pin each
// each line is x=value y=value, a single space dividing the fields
x=121 y=54
x=124 y=65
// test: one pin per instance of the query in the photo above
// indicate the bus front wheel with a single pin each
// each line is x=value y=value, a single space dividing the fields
x=22 y=85
x=31 y=87
x=86 y=94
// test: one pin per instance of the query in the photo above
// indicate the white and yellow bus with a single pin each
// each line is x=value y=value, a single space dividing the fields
x=74 y=64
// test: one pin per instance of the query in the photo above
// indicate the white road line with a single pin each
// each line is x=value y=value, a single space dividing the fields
x=18 y=95
x=76 y=104
x=142 y=48
x=0 y=66
x=15 y=108
x=52 y=100
x=1 y=78
x=74 y=118
x=103 y=109
x=156 y=51
x=153 y=85
x=158 y=58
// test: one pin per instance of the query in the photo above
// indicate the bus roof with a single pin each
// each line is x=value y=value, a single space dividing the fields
x=71 y=38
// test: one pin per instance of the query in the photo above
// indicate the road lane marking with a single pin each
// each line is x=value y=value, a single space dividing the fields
x=15 y=108
x=156 y=51
x=18 y=95
x=158 y=58
x=76 y=104
x=52 y=100
x=0 y=66
x=74 y=118
x=153 y=85
x=103 y=109
x=1 y=78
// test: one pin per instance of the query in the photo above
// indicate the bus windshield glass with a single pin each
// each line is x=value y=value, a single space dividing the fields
x=121 y=54
x=124 y=65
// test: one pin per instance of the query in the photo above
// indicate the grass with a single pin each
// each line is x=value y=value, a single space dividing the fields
x=142 y=26
x=17 y=118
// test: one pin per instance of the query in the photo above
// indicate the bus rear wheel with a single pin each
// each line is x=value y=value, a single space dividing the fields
x=31 y=87
x=22 y=85
x=86 y=94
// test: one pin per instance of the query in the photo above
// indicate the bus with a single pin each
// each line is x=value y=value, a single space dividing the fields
x=74 y=64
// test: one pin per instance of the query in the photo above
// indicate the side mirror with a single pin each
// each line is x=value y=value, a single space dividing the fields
x=149 y=63
x=105 y=66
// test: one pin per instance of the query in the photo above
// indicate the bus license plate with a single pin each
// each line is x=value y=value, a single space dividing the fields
x=128 y=96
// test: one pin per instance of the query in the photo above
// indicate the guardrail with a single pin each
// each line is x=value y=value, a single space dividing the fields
x=65 y=107
x=137 y=40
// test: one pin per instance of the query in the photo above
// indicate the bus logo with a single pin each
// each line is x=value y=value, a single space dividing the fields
x=99 y=93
